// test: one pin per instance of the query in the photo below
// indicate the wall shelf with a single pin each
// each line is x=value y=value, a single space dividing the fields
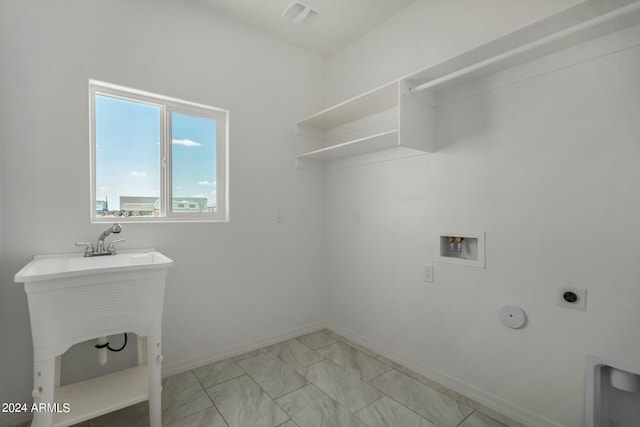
x=366 y=104
x=379 y=141
x=397 y=119
x=388 y=118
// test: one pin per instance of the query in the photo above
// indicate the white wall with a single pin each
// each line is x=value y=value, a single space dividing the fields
x=234 y=284
x=547 y=167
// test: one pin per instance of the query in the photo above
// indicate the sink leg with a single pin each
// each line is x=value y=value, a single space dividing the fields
x=44 y=376
x=154 y=366
x=142 y=350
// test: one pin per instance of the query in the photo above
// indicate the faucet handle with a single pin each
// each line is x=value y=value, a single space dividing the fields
x=88 y=251
x=112 y=246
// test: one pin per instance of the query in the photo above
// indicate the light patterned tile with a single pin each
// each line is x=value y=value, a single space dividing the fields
x=427 y=402
x=242 y=403
x=478 y=419
x=424 y=380
x=387 y=412
x=481 y=408
x=249 y=354
x=317 y=340
x=272 y=374
x=355 y=345
x=348 y=390
x=83 y=424
x=131 y=416
x=279 y=368
x=218 y=372
x=295 y=354
x=354 y=361
x=182 y=395
x=207 y=418
x=304 y=371
x=310 y=407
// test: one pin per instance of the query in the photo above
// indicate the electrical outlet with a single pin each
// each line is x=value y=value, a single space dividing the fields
x=356 y=216
x=279 y=215
x=428 y=273
x=575 y=298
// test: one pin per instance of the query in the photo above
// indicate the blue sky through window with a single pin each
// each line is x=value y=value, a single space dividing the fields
x=193 y=157
x=127 y=149
x=128 y=152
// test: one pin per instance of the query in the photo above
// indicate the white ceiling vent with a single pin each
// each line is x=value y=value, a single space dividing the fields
x=297 y=12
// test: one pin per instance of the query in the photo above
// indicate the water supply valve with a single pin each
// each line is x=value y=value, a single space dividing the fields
x=451 y=245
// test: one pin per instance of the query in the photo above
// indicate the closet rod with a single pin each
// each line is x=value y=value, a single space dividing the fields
x=592 y=24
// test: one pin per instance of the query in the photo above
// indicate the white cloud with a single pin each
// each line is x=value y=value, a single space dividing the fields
x=137 y=173
x=186 y=142
x=213 y=184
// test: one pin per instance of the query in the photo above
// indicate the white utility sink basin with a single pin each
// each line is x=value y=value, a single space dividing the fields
x=47 y=267
x=72 y=299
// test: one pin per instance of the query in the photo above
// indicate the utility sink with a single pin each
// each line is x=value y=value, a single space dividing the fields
x=47 y=267
x=72 y=299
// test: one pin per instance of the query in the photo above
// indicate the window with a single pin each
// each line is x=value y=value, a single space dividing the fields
x=155 y=158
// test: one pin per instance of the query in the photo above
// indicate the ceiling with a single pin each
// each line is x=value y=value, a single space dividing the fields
x=338 y=23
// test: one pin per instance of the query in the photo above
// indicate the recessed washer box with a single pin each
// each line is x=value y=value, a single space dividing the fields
x=462 y=248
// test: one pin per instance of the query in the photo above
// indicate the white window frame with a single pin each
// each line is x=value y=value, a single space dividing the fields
x=167 y=106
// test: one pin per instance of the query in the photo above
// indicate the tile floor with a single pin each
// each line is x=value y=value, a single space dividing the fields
x=316 y=380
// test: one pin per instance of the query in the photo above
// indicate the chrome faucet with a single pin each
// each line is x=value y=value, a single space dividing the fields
x=100 y=249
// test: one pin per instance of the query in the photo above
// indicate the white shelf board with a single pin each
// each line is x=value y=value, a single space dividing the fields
x=368 y=144
x=374 y=101
x=97 y=396
x=579 y=23
x=575 y=25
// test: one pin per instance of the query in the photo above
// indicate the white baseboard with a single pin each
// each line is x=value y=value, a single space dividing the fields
x=489 y=400
x=180 y=366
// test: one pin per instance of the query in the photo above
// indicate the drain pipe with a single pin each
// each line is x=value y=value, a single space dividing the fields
x=102 y=350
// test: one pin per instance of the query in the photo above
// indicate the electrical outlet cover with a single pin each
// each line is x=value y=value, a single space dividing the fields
x=428 y=273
